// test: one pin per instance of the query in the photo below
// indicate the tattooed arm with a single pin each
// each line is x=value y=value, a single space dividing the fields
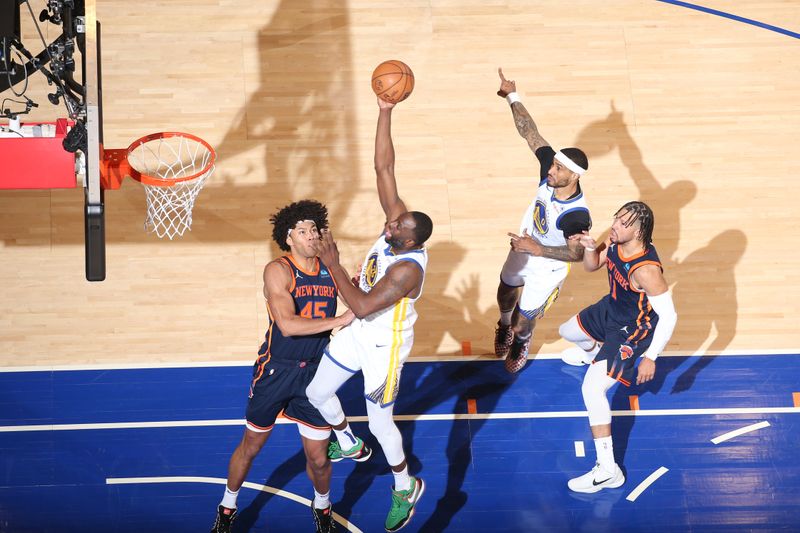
x=572 y=252
x=522 y=119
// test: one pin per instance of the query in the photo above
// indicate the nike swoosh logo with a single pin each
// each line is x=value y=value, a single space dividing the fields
x=595 y=483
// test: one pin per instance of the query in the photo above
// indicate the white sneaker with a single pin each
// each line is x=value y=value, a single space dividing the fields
x=577 y=356
x=597 y=479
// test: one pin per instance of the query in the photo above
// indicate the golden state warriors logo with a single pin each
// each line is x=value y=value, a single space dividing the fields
x=540 y=217
x=371 y=269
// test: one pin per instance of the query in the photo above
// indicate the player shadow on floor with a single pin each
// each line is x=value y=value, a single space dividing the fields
x=485 y=385
x=304 y=126
x=708 y=271
x=449 y=387
x=445 y=386
x=279 y=478
x=602 y=136
x=444 y=317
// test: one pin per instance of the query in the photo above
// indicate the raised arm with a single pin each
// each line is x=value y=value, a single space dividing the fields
x=277 y=284
x=522 y=119
x=391 y=203
x=403 y=279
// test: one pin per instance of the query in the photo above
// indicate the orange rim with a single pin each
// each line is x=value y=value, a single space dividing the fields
x=168 y=182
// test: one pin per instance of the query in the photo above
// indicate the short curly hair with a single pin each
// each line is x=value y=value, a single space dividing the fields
x=287 y=218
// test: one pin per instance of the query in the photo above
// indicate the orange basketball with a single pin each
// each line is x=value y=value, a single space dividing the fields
x=393 y=81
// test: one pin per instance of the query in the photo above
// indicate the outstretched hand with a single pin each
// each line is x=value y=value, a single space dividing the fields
x=506 y=86
x=327 y=249
x=525 y=243
x=647 y=369
x=585 y=240
x=346 y=318
x=383 y=104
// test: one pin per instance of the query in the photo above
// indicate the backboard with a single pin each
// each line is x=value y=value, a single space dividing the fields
x=46 y=155
x=94 y=206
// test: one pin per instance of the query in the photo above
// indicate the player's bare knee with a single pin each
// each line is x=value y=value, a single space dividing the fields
x=318 y=461
x=316 y=454
x=252 y=443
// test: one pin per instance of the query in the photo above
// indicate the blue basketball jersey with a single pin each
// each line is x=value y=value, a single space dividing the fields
x=314 y=296
x=627 y=306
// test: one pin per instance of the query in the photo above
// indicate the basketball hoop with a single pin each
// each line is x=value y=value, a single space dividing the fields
x=173 y=167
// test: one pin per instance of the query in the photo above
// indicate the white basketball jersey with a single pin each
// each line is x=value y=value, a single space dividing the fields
x=543 y=217
x=399 y=318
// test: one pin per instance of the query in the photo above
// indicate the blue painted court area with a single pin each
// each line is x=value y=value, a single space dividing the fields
x=81 y=450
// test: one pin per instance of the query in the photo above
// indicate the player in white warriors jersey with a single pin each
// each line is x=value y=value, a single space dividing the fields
x=379 y=340
x=540 y=256
x=395 y=323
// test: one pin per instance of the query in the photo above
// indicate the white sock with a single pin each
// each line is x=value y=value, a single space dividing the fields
x=322 y=501
x=505 y=317
x=605 y=453
x=402 y=481
x=346 y=437
x=229 y=498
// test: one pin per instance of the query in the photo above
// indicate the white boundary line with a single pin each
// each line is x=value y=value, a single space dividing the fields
x=580 y=451
x=413 y=359
x=741 y=431
x=219 y=481
x=406 y=418
x=646 y=483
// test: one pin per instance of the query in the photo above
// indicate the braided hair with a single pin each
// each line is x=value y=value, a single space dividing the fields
x=639 y=211
x=287 y=218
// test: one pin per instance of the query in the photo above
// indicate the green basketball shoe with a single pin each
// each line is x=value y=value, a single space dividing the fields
x=403 y=504
x=358 y=453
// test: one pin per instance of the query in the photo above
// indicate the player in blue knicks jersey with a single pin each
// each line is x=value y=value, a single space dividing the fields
x=635 y=318
x=379 y=340
x=301 y=299
x=540 y=255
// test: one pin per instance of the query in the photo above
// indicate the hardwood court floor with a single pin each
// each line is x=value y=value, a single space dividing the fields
x=693 y=112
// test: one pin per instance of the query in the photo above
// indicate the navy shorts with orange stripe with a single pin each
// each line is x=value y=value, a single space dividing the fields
x=281 y=386
x=622 y=343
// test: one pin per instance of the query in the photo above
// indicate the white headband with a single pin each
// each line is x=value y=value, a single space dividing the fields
x=288 y=233
x=569 y=163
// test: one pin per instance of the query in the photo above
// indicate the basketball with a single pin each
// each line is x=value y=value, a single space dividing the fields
x=393 y=81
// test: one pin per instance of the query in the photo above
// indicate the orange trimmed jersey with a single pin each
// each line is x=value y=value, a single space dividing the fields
x=314 y=295
x=628 y=306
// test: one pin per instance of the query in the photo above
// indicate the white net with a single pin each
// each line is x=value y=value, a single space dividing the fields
x=169 y=158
